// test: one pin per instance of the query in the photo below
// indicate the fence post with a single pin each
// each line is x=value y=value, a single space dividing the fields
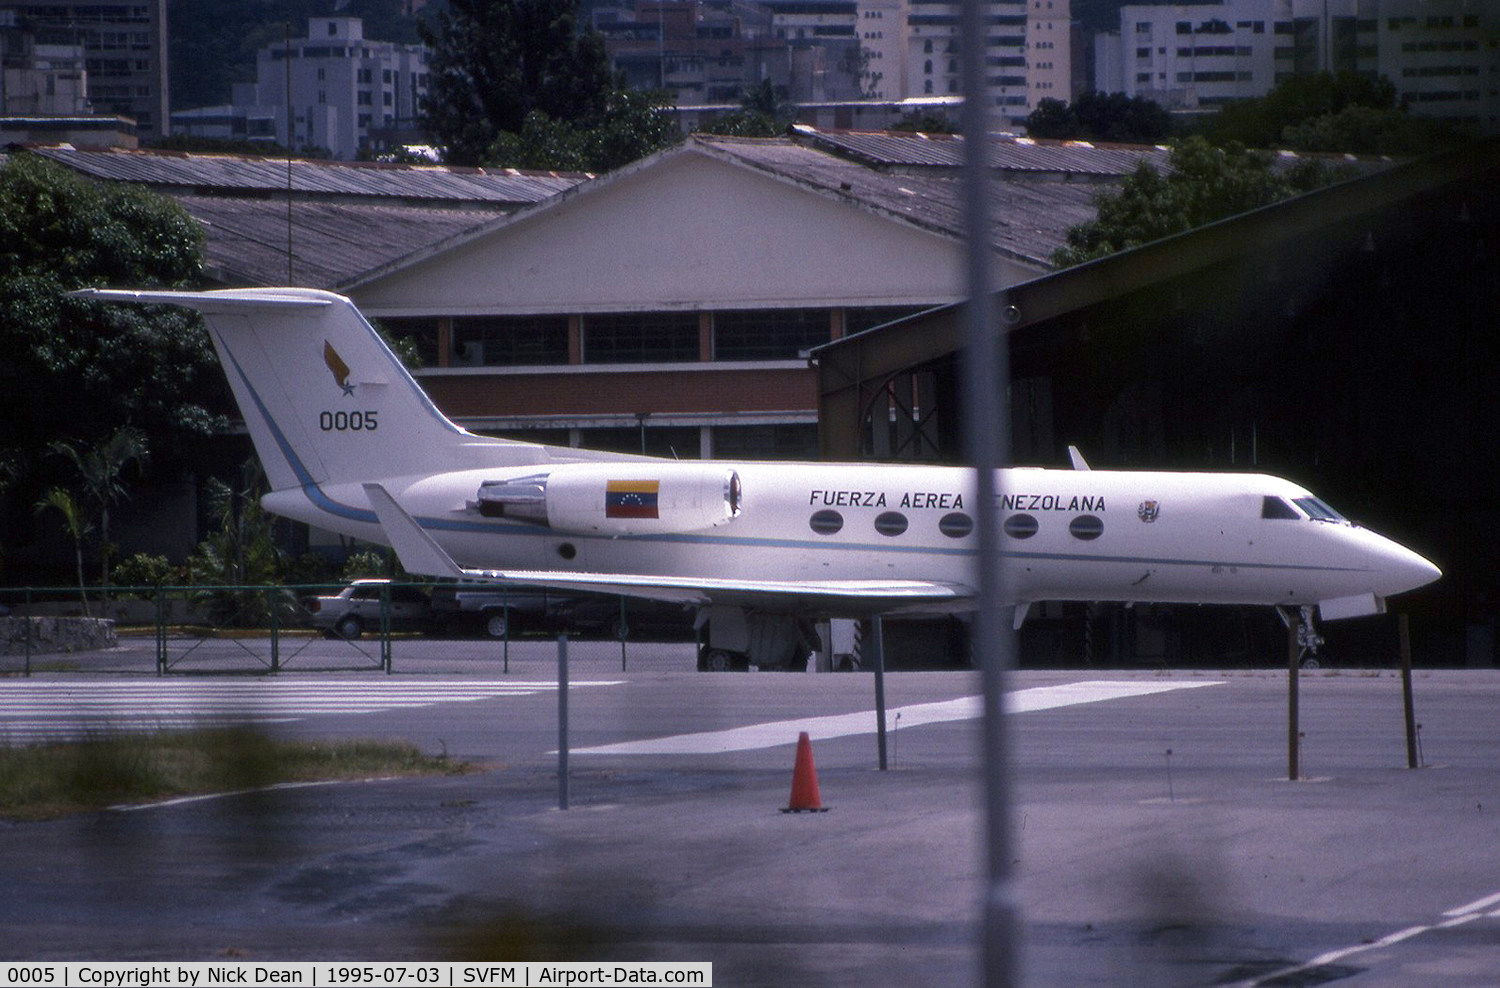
x=161 y=631
x=624 y=630
x=385 y=628
x=27 y=620
x=275 y=604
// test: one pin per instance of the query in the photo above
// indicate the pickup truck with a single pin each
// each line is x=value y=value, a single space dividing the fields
x=494 y=611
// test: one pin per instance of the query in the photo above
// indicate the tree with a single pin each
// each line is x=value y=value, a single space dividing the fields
x=76 y=525
x=75 y=370
x=765 y=110
x=495 y=62
x=101 y=469
x=1261 y=122
x=925 y=122
x=1098 y=116
x=632 y=126
x=1205 y=183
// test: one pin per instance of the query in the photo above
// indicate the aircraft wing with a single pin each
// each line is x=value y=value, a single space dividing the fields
x=421 y=554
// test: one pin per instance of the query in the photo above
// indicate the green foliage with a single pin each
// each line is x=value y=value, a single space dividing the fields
x=41 y=782
x=1097 y=116
x=79 y=370
x=101 y=470
x=926 y=122
x=494 y=64
x=765 y=111
x=1370 y=130
x=240 y=551
x=366 y=564
x=1205 y=184
x=146 y=570
x=1347 y=113
x=632 y=126
x=75 y=522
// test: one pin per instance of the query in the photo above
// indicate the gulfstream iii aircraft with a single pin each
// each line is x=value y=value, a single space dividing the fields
x=350 y=443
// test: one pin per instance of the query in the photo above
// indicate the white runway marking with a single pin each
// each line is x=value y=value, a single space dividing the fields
x=1457 y=916
x=863 y=722
x=34 y=711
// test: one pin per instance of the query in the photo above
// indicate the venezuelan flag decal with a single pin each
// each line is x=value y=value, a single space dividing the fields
x=631 y=498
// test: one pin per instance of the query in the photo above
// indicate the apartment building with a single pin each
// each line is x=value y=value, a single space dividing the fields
x=125 y=52
x=912 y=49
x=344 y=89
x=1442 y=55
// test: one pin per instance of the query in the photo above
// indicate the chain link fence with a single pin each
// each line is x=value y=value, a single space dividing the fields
x=377 y=626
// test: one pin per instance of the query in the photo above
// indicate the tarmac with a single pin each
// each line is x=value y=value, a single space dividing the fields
x=1158 y=839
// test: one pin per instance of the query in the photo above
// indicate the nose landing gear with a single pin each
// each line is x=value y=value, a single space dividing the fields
x=1309 y=642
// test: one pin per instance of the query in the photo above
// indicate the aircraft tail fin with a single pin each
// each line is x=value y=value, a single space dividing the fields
x=324 y=399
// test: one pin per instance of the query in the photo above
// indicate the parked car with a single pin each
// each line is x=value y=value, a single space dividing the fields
x=650 y=620
x=356 y=609
x=493 y=610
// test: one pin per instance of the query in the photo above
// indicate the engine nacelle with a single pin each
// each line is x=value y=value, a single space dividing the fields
x=619 y=498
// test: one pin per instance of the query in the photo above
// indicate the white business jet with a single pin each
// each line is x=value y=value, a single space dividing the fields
x=350 y=443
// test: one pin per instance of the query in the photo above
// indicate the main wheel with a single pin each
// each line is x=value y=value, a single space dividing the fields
x=348 y=627
x=495 y=624
x=718 y=660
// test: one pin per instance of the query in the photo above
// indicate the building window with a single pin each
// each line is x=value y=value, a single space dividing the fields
x=640 y=337
x=510 y=340
x=768 y=334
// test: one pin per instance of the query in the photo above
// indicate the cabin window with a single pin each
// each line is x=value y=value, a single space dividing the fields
x=826 y=522
x=1020 y=526
x=1086 y=527
x=1274 y=507
x=955 y=525
x=891 y=523
x=1316 y=509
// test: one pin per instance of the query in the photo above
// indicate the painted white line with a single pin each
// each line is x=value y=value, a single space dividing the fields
x=769 y=735
x=1459 y=920
x=205 y=797
x=1478 y=905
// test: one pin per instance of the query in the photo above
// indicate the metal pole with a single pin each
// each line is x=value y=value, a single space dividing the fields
x=624 y=630
x=1403 y=628
x=27 y=631
x=161 y=631
x=1293 y=653
x=562 y=722
x=877 y=642
x=275 y=603
x=987 y=407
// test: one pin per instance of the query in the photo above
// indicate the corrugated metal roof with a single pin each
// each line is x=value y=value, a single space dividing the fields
x=1007 y=152
x=245 y=240
x=1030 y=218
x=223 y=173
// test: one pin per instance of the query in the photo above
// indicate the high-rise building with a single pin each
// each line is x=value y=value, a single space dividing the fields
x=125 y=52
x=344 y=90
x=912 y=49
x=1443 y=56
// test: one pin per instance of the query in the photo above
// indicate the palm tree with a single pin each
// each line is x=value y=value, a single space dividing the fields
x=102 y=469
x=77 y=527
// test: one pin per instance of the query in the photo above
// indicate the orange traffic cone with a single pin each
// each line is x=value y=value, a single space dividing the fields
x=805 y=797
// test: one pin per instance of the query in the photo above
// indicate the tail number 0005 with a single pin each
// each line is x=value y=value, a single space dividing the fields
x=347 y=421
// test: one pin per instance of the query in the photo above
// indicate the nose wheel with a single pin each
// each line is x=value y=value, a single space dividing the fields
x=1309 y=642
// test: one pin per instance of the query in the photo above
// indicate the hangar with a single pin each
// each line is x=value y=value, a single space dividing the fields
x=1346 y=339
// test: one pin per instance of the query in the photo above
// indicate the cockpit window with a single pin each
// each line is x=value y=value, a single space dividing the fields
x=1316 y=509
x=1274 y=507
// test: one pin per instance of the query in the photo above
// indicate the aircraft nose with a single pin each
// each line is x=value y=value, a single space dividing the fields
x=1406 y=570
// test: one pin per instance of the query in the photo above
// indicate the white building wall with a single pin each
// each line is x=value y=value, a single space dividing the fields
x=1028 y=52
x=342 y=86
